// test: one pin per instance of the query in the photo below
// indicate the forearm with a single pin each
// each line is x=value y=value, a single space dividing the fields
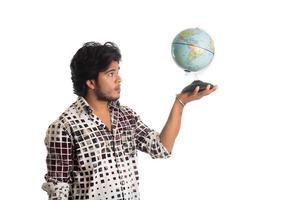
x=172 y=126
x=171 y=129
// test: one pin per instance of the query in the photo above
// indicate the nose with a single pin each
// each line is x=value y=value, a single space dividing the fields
x=119 y=79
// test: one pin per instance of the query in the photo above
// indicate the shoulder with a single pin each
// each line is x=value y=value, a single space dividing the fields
x=58 y=126
x=127 y=110
x=57 y=132
x=63 y=122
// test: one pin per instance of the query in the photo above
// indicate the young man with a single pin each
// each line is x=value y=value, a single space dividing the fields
x=92 y=147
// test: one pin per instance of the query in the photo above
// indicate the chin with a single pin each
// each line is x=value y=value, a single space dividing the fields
x=115 y=98
x=118 y=95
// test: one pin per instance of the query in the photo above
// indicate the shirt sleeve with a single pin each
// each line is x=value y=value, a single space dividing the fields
x=59 y=162
x=148 y=140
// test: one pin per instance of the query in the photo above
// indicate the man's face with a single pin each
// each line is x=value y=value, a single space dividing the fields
x=108 y=86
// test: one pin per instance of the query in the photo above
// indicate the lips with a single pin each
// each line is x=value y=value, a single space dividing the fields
x=118 y=88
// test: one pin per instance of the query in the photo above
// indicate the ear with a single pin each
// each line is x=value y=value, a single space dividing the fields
x=91 y=84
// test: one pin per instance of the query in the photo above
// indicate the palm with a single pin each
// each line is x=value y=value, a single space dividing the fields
x=195 y=95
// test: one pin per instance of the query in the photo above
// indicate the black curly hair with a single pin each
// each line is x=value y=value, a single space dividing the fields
x=89 y=60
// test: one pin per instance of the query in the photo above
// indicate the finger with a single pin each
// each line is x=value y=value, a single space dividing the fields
x=215 y=88
x=207 y=87
x=196 y=90
x=212 y=90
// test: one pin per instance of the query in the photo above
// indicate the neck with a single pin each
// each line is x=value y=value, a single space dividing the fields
x=97 y=105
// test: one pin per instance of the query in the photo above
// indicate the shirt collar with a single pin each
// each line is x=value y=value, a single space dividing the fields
x=82 y=105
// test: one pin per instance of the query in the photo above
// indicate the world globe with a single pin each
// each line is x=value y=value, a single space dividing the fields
x=193 y=49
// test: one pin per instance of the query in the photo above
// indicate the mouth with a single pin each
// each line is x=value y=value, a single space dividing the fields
x=118 y=89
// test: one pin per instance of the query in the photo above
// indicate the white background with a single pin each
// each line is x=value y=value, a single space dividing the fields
x=242 y=142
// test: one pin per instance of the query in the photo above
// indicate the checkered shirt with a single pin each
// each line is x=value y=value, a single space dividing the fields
x=87 y=161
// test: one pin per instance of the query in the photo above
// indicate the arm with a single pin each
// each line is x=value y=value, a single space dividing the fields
x=172 y=126
x=59 y=162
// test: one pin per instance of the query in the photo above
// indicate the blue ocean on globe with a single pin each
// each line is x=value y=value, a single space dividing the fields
x=193 y=49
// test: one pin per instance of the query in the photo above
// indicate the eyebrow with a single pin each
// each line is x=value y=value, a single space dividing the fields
x=111 y=70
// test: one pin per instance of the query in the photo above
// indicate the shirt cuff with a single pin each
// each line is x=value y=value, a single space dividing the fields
x=167 y=153
x=58 y=191
x=160 y=151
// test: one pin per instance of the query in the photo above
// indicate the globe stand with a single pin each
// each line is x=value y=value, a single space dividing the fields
x=202 y=86
x=191 y=87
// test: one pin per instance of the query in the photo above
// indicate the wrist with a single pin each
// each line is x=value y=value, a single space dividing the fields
x=180 y=101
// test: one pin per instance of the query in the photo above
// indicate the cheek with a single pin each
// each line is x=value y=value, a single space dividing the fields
x=108 y=84
x=112 y=81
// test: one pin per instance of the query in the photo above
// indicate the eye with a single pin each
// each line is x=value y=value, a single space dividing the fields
x=111 y=74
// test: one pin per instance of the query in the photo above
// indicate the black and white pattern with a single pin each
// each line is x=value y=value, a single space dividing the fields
x=87 y=161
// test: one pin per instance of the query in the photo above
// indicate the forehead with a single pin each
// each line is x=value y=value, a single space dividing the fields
x=113 y=65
